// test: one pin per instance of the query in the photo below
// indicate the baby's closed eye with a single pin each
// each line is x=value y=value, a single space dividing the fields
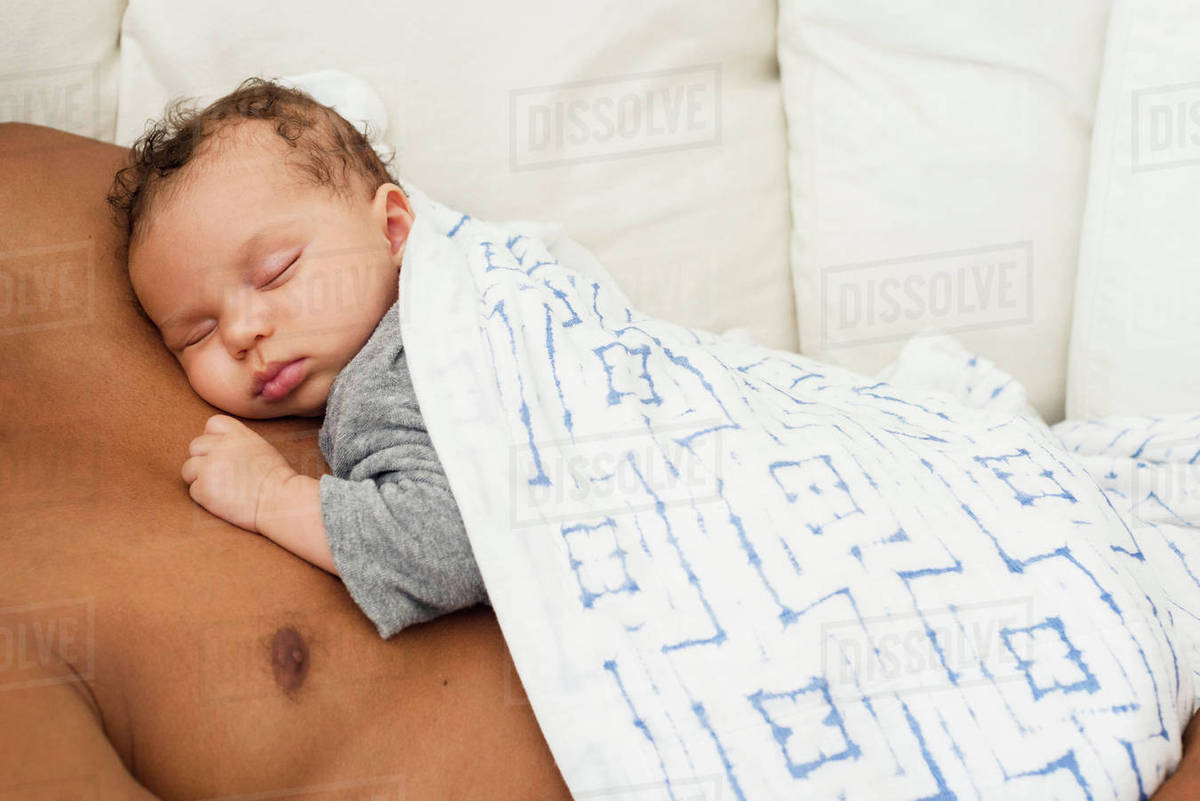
x=197 y=340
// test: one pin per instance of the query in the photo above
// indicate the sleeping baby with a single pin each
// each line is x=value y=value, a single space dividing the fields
x=266 y=238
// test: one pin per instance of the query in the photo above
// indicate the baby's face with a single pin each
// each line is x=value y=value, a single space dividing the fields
x=247 y=269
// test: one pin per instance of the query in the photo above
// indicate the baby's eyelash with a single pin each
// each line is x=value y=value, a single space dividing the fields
x=264 y=286
x=198 y=341
x=279 y=274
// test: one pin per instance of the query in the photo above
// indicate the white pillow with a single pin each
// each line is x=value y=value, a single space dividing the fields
x=58 y=65
x=1136 y=335
x=689 y=214
x=938 y=154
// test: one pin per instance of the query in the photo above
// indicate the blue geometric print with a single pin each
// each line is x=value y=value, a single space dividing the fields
x=822 y=486
x=1054 y=663
x=787 y=718
x=719 y=565
x=1028 y=481
x=597 y=560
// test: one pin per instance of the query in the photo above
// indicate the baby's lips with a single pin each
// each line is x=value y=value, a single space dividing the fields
x=277 y=382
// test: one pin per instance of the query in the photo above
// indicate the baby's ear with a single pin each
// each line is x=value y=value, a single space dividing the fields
x=397 y=216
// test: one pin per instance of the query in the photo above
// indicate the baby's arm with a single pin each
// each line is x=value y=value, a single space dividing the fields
x=290 y=516
x=400 y=544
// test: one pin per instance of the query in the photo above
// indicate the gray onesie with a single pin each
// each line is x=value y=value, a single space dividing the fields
x=393 y=525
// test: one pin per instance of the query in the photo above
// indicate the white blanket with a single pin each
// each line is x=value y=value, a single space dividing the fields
x=730 y=572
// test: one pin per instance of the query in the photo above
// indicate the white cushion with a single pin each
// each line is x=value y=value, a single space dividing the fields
x=58 y=65
x=686 y=204
x=1137 y=329
x=938 y=154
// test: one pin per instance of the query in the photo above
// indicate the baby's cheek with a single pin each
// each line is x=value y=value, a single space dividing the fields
x=219 y=389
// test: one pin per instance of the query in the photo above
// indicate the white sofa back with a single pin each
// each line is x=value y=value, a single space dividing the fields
x=656 y=133
x=1135 y=344
x=653 y=131
x=59 y=65
x=939 y=163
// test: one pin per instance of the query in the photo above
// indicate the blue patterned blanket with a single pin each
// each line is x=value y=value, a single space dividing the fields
x=725 y=571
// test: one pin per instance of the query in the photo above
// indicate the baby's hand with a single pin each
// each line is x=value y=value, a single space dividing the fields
x=229 y=468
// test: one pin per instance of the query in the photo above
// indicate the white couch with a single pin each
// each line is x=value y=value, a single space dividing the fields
x=832 y=176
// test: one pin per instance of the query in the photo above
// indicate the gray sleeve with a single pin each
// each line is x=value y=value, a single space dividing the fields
x=400 y=547
x=393 y=526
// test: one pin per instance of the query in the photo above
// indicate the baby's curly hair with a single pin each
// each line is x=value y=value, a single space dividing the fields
x=332 y=152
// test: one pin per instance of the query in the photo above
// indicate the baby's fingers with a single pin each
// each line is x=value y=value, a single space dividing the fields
x=190 y=470
x=222 y=424
x=203 y=444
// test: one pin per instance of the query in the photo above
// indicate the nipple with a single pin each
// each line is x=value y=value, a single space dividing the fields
x=289 y=659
